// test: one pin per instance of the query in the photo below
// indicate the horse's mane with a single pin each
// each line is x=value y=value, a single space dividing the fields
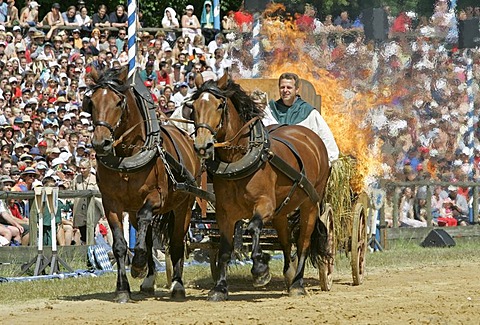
x=113 y=77
x=244 y=105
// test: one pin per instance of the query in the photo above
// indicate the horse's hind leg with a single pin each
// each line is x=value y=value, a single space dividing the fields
x=280 y=224
x=260 y=269
x=181 y=222
x=148 y=285
x=308 y=219
x=140 y=259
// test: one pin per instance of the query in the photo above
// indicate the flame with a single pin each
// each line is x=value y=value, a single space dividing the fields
x=294 y=50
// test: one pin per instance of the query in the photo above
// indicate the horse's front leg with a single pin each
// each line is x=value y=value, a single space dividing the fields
x=260 y=269
x=122 y=293
x=140 y=258
x=227 y=227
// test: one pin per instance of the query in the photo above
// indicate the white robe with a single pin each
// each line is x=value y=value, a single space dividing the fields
x=317 y=124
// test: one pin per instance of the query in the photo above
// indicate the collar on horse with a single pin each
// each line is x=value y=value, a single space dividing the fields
x=254 y=158
x=149 y=151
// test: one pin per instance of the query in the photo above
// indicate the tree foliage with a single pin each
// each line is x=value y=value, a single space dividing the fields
x=153 y=9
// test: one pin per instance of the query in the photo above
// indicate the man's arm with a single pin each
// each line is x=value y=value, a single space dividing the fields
x=7 y=216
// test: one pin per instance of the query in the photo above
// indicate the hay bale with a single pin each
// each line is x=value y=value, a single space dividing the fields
x=340 y=196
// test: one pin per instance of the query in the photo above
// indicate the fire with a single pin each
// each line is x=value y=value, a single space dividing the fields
x=293 y=50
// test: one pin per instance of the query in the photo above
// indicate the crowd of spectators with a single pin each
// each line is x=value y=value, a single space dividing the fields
x=45 y=135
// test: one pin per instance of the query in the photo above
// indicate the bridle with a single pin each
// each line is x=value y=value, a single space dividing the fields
x=223 y=107
x=118 y=90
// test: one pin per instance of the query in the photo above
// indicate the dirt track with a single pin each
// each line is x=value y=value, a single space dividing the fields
x=427 y=295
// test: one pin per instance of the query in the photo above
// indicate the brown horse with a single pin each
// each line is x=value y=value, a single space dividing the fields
x=250 y=182
x=136 y=176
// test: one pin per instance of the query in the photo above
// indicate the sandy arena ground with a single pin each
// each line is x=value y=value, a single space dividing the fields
x=448 y=294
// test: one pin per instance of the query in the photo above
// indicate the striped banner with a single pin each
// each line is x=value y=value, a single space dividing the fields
x=132 y=36
x=471 y=110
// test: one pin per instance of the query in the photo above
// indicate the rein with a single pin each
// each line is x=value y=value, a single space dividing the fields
x=228 y=143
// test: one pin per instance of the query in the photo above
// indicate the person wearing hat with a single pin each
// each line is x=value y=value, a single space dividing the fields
x=170 y=20
x=190 y=24
x=88 y=50
x=54 y=19
x=181 y=95
x=29 y=15
x=51 y=116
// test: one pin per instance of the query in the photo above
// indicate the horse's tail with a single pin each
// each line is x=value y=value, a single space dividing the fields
x=318 y=243
x=163 y=227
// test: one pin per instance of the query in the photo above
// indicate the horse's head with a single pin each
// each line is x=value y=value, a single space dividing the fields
x=107 y=104
x=209 y=110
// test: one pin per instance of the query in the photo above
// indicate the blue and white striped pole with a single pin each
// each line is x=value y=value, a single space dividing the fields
x=452 y=35
x=216 y=15
x=471 y=111
x=256 y=46
x=132 y=37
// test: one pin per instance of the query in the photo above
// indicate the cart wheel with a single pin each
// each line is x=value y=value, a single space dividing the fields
x=213 y=254
x=168 y=267
x=326 y=267
x=359 y=243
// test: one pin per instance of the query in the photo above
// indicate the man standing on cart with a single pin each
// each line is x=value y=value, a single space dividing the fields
x=292 y=109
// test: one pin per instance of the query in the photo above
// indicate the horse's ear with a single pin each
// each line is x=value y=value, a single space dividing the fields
x=123 y=74
x=198 y=80
x=94 y=73
x=222 y=82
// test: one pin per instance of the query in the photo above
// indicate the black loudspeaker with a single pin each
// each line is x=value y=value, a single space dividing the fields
x=469 y=33
x=438 y=238
x=256 y=5
x=375 y=24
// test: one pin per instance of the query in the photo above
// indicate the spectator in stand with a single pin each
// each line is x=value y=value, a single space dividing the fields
x=88 y=50
x=85 y=180
x=206 y=22
x=170 y=20
x=53 y=19
x=69 y=16
x=29 y=16
x=180 y=97
x=459 y=206
x=121 y=39
x=119 y=18
x=163 y=78
x=219 y=64
x=100 y=18
x=218 y=42
x=343 y=20
x=13 y=16
x=190 y=24
x=407 y=217
x=82 y=19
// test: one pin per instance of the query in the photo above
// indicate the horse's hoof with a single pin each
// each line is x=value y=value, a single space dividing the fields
x=147 y=290
x=262 y=280
x=122 y=297
x=297 y=292
x=177 y=291
x=215 y=295
x=218 y=293
x=138 y=272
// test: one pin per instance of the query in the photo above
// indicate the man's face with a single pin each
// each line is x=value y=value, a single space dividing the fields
x=183 y=90
x=288 y=91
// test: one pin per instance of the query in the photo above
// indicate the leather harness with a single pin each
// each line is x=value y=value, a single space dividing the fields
x=184 y=180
